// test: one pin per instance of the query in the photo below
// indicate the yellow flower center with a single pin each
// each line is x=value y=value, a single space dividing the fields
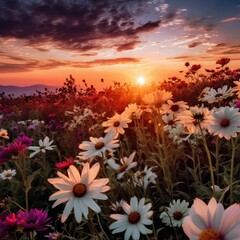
x=134 y=217
x=225 y=122
x=79 y=190
x=116 y=124
x=99 y=145
x=210 y=234
x=8 y=174
x=177 y=215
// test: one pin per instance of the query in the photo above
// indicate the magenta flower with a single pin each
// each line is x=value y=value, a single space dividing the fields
x=17 y=147
x=8 y=223
x=5 y=155
x=25 y=140
x=65 y=164
x=34 y=219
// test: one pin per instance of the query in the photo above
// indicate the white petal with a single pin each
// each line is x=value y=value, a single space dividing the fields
x=84 y=208
x=136 y=233
x=61 y=194
x=91 y=204
x=77 y=211
x=128 y=232
x=59 y=201
x=67 y=210
x=74 y=174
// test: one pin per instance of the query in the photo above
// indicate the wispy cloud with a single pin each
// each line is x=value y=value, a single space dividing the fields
x=230 y=19
x=162 y=8
x=105 y=62
x=9 y=63
x=224 y=49
x=194 y=44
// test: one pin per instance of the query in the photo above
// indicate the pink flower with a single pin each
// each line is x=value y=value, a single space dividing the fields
x=8 y=223
x=212 y=221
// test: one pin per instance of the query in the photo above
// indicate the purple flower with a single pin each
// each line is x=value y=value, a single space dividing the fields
x=32 y=127
x=8 y=223
x=16 y=147
x=24 y=140
x=237 y=104
x=5 y=155
x=3 y=225
x=34 y=219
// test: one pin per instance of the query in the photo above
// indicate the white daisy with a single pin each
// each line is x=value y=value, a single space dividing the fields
x=79 y=190
x=170 y=121
x=193 y=118
x=212 y=221
x=145 y=177
x=118 y=206
x=133 y=111
x=212 y=95
x=175 y=213
x=174 y=107
x=43 y=146
x=8 y=174
x=157 y=98
x=236 y=88
x=98 y=146
x=117 y=123
x=133 y=222
x=179 y=134
x=126 y=164
x=224 y=122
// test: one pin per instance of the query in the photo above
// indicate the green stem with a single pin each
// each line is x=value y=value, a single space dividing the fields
x=175 y=232
x=232 y=171
x=95 y=230
x=100 y=225
x=18 y=205
x=209 y=160
x=217 y=158
x=23 y=175
x=26 y=199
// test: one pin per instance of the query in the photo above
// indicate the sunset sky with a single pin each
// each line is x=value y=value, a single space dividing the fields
x=44 y=41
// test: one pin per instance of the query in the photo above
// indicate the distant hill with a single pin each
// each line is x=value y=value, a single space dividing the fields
x=28 y=90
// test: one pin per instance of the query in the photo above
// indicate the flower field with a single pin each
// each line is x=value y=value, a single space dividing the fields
x=128 y=162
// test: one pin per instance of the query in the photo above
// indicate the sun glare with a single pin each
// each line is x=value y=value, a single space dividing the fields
x=141 y=80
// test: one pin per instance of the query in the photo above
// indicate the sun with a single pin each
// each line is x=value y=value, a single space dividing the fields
x=141 y=80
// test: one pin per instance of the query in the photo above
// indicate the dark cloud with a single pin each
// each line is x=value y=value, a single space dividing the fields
x=102 y=62
x=17 y=64
x=75 y=25
x=41 y=49
x=149 y=26
x=179 y=57
x=25 y=65
x=194 y=44
x=202 y=23
x=89 y=54
x=189 y=58
x=224 y=49
x=127 y=46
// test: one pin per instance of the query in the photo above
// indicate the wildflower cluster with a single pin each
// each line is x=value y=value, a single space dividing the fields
x=157 y=165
